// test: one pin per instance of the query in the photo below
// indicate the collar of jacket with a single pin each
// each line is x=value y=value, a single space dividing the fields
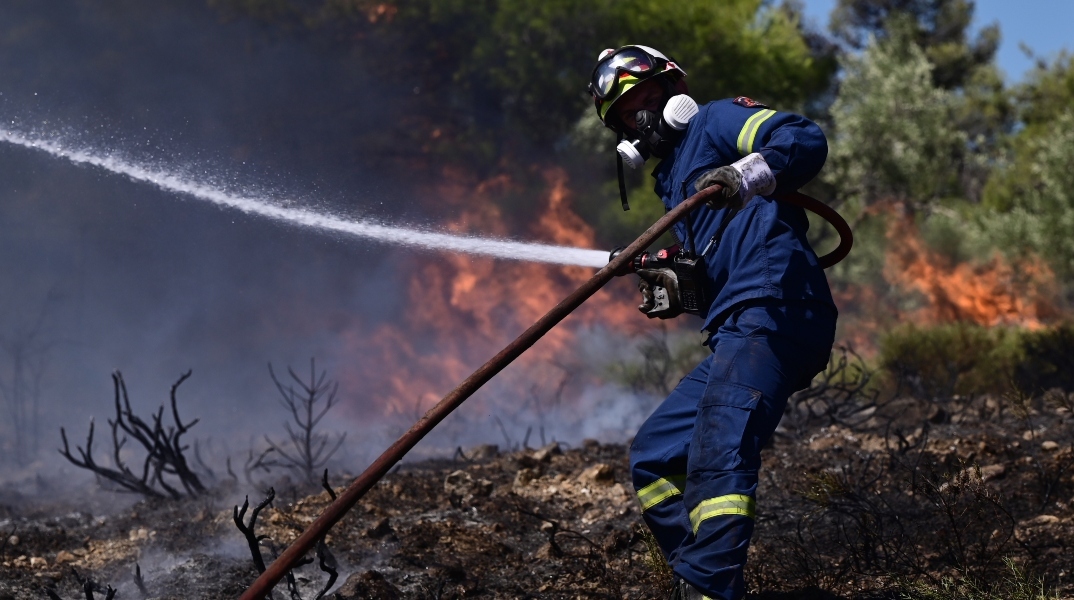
x=693 y=155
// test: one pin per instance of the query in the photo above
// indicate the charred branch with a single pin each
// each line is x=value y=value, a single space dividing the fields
x=139 y=582
x=256 y=462
x=307 y=449
x=201 y=463
x=292 y=581
x=164 y=469
x=89 y=586
x=252 y=539
x=327 y=487
x=840 y=395
x=327 y=563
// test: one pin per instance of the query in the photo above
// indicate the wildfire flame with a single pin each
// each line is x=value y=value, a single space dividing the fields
x=995 y=292
x=460 y=310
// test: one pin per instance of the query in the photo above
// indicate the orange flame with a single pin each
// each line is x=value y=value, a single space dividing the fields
x=993 y=293
x=460 y=310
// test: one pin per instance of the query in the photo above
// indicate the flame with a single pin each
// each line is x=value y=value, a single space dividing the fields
x=381 y=11
x=460 y=310
x=995 y=292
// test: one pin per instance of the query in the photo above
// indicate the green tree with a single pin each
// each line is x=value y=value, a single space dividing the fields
x=1029 y=199
x=491 y=63
x=503 y=81
x=939 y=27
x=894 y=134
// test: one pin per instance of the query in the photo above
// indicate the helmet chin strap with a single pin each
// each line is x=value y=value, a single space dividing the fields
x=622 y=178
x=656 y=135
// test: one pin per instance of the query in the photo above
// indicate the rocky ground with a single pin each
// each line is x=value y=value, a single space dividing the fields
x=863 y=512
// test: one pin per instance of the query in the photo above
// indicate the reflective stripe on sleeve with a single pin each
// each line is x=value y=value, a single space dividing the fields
x=748 y=135
x=733 y=504
x=660 y=490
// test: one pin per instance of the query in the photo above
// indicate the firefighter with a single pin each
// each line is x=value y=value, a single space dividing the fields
x=767 y=308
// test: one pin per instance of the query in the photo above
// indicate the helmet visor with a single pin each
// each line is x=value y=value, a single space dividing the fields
x=634 y=61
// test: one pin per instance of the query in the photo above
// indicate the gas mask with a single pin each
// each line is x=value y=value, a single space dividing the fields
x=657 y=135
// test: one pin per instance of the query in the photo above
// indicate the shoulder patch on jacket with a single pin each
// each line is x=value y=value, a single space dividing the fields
x=748 y=102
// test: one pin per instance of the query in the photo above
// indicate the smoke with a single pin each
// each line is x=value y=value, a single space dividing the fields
x=126 y=276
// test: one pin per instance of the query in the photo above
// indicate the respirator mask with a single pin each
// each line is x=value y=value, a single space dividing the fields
x=657 y=135
x=616 y=72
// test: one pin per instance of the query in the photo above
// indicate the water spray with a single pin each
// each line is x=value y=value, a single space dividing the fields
x=380 y=467
x=265 y=207
x=621 y=262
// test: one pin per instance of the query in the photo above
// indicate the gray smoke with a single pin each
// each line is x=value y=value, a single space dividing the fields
x=100 y=273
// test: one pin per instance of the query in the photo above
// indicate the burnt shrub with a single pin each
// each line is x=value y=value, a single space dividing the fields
x=887 y=516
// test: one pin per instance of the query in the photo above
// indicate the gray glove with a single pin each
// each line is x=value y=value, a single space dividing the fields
x=729 y=196
x=659 y=293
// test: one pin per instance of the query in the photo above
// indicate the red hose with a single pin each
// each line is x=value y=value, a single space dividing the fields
x=846 y=236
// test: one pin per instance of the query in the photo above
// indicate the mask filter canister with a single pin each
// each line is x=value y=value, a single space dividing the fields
x=679 y=110
x=676 y=116
x=632 y=153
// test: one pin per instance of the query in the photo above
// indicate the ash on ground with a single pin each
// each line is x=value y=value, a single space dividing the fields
x=843 y=513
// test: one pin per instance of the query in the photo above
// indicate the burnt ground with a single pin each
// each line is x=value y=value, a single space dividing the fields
x=968 y=492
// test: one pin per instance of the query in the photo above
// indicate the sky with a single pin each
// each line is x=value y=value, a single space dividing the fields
x=1043 y=25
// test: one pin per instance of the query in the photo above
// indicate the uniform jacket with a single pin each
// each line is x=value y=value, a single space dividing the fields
x=763 y=251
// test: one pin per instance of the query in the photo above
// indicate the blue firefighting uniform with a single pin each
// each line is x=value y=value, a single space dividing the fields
x=771 y=322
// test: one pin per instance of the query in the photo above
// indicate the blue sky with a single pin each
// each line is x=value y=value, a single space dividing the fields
x=1046 y=26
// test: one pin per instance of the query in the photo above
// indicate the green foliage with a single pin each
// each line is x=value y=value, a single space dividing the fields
x=1031 y=201
x=895 y=135
x=659 y=568
x=623 y=226
x=939 y=27
x=1048 y=360
x=1048 y=93
x=536 y=56
x=527 y=63
x=1017 y=585
x=939 y=362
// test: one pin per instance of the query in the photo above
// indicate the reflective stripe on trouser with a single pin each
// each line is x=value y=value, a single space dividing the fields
x=712 y=427
x=731 y=504
x=660 y=490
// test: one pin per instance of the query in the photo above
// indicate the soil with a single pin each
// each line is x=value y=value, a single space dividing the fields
x=842 y=514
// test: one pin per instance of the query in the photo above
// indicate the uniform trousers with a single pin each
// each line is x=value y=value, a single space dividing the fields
x=695 y=460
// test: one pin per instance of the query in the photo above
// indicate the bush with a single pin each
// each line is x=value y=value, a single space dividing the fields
x=940 y=362
x=1047 y=361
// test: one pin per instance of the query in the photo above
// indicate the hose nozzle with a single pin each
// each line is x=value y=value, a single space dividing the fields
x=646 y=260
x=627 y=269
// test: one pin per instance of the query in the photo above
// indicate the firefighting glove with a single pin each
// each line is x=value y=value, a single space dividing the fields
x=745 y=178
x=729 y=196
x=659 y=293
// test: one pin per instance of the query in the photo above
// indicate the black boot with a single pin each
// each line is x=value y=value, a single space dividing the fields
x=680 y=590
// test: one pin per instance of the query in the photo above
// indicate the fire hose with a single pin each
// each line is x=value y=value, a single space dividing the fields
x=380 y=467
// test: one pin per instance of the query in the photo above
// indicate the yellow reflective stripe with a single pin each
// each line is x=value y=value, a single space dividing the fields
x=734 y=504
x=748 y=135
x=660 y=490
